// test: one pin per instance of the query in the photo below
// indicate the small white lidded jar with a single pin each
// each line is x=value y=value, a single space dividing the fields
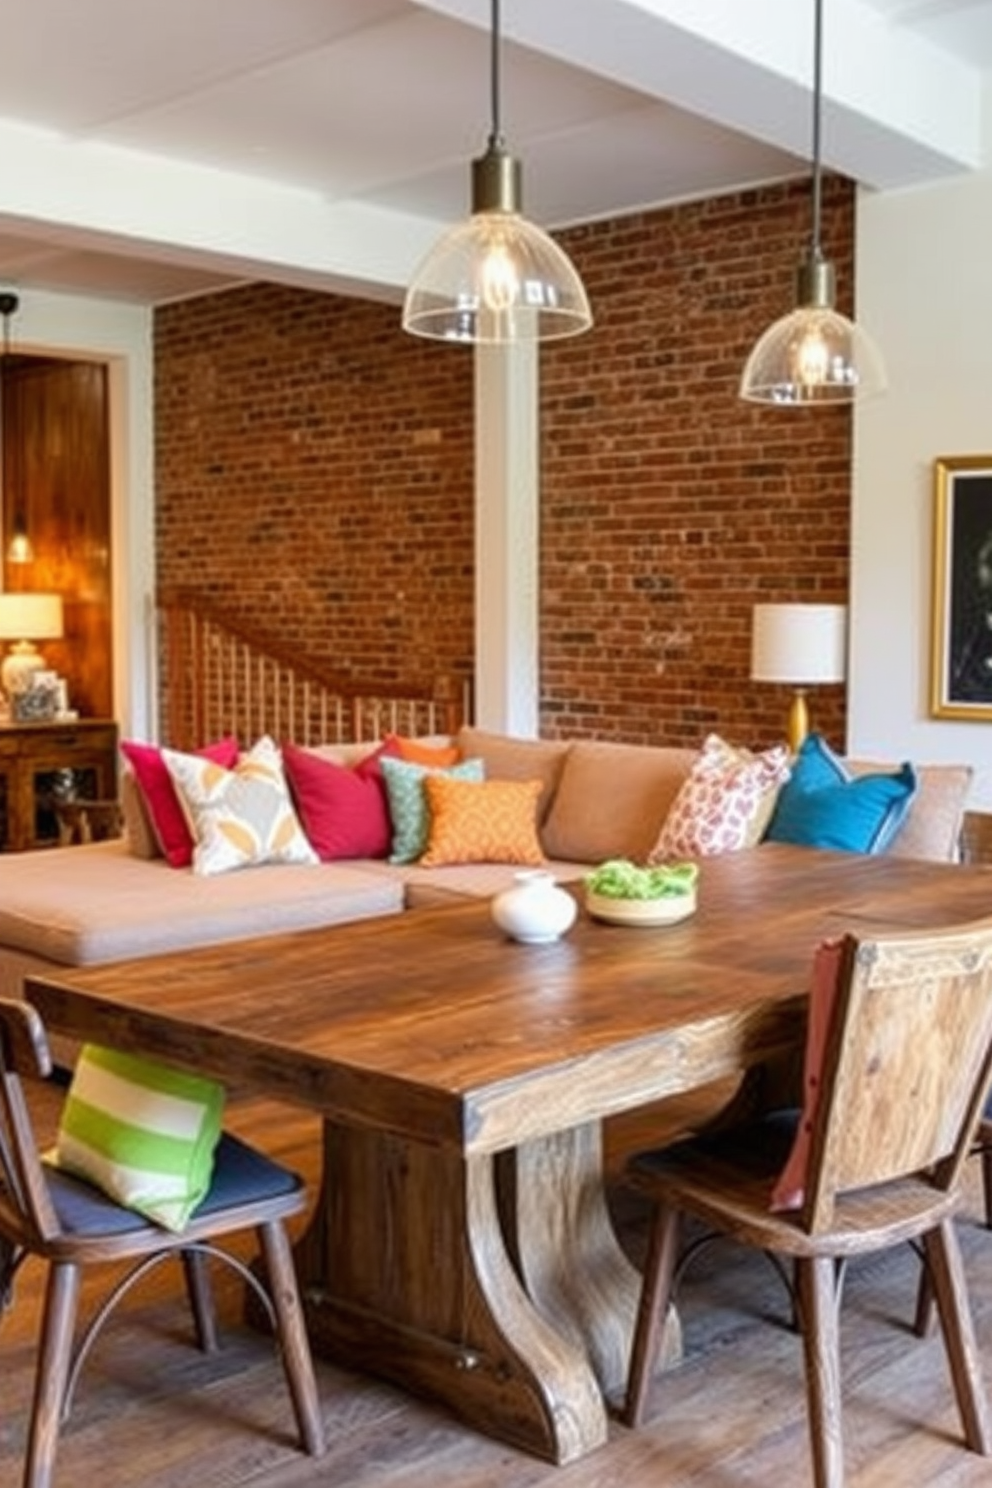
x=535 y=910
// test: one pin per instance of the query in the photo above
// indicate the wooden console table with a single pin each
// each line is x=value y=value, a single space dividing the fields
x=440 y=1055
x=32 y=757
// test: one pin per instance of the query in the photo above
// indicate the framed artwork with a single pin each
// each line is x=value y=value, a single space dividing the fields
x=961 y=625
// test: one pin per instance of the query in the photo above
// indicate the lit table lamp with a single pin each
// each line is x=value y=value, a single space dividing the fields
x=802 y=644
x=24 y=619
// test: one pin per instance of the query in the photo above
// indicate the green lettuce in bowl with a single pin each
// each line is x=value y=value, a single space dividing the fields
x=620 y=879
x=622 y=894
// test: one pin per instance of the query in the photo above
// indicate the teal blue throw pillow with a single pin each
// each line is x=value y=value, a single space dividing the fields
x=821 y=805
x=408 y=809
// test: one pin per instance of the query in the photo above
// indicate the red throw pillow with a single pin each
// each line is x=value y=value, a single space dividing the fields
x=159 y=794
x=343 y=811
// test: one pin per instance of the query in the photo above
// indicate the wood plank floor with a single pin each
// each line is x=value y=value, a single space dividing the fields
x=153 y=1412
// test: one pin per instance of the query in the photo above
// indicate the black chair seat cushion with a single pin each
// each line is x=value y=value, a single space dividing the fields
x=241 y=1175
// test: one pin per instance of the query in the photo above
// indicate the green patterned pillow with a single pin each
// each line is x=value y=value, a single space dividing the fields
x=142 y=1132
x=408 y=808
x=242 y=816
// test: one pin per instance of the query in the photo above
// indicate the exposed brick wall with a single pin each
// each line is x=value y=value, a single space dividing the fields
x=669 y=507
x=314 y=471
x=314 y=476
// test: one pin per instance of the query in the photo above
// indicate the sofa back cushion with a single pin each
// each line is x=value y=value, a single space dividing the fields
x=932 y=826
x=612 y=799
x=507 y=758
x=138 y=829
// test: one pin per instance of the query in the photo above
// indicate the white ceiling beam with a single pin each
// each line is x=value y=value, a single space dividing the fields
x=897 y=110
x=159 y=208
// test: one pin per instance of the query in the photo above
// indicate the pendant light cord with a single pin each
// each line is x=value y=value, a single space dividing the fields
x=496 y=132
x=817 y=111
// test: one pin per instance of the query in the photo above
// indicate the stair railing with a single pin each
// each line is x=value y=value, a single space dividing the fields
x=219 y=676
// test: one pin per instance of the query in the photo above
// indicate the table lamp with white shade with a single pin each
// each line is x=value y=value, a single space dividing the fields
x=25 y=619
x=801 y=644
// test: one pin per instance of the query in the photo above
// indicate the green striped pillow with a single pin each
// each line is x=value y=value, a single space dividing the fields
x=141 y=1131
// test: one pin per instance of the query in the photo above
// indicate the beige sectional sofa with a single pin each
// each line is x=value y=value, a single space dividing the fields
x=101 y=902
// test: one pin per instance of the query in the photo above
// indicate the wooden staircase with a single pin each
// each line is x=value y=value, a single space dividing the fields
x=220 y=677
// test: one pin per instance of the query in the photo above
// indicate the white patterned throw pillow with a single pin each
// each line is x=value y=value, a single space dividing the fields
x=242 y=816
x=725 y=802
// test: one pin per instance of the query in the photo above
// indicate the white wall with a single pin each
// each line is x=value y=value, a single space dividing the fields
x=924 y=276
x=121 y=336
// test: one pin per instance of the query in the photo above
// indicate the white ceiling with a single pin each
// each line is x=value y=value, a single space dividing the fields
x=151 y=149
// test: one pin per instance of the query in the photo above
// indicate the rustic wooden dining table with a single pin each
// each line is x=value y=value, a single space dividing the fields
x=461 y=1242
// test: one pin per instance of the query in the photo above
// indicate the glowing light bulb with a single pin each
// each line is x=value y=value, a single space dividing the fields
x=812 y=358
x=19 y=550
x=500 y=284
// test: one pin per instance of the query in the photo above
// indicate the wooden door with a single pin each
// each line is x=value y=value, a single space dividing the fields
x=56 y=479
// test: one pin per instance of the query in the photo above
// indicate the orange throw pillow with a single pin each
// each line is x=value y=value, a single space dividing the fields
x=434 y=756
x=481 y=821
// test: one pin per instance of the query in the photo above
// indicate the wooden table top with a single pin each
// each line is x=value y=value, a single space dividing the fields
x=431 y=1023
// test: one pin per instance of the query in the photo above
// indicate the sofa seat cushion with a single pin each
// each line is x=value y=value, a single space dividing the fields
x=87 y=905
x=612 y=799
x=427 y=887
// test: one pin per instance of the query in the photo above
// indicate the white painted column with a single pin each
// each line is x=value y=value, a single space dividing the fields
x=506 y=538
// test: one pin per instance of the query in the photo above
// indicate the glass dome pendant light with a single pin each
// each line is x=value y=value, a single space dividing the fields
x=496 y=278
x=814 y=355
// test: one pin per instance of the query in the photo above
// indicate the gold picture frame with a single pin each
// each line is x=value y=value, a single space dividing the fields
x=961 y=623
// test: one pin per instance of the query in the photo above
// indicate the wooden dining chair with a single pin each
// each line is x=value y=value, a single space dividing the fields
x=71 y=1225
x=976 y=847
x=892 y=1100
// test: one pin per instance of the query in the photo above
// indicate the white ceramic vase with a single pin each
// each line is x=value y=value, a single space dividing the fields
x=535 y=910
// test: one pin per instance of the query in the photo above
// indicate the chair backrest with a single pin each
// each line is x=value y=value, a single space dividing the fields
x=27 y=1217
x=907 y=1064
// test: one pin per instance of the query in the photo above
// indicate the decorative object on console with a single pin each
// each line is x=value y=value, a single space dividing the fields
x=24 y=619
x=815 y=354
x=496 y=278
x=801 y=644
x=40 y=701
x=536 y=910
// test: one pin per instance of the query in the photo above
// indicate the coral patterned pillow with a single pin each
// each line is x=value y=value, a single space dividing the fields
x=475 y=821
x=240 y=816
x=724 y=803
